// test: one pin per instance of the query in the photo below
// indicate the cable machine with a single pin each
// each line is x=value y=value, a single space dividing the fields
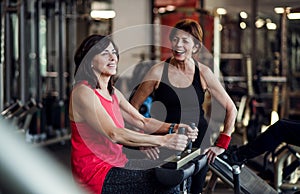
x=35 y=70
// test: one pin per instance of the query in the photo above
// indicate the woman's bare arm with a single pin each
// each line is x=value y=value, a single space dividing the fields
x=86 y=107
x=218 y=92
x=147 y=86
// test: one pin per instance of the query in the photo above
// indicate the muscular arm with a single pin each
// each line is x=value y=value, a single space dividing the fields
x=218 y=92
x=148 y=85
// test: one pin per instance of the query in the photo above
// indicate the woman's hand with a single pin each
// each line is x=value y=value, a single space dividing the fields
x=175 y=141
x=191 y=133
x=212 y=153
x=151 y=152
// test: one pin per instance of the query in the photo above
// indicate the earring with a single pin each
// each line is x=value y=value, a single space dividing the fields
x=92 y=66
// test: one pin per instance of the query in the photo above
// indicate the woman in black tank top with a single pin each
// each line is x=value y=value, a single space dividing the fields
x=182 y=104
x=178 y=86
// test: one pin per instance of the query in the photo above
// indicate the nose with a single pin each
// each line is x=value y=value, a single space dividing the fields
x=112 y=57
x=178 y=43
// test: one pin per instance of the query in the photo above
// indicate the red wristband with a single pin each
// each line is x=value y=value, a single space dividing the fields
x=223 y=141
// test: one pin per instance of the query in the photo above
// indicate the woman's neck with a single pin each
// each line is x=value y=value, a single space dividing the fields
x=183 y=65
x=103 y=81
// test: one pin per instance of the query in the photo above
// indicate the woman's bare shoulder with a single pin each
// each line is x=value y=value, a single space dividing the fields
x=204 y=68
x=81 y=88
x=82 y=92
x=155 y=72
x=158 y=67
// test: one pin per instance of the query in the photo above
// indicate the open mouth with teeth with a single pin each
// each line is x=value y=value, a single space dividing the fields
x=111 y=65
x=179 y=52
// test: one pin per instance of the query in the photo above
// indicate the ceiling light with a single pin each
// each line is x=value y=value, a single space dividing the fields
x=161 y=10
x=243 y=15
x=271 y=26
x=294 y=13
x=268 y=20
x=170 y=8
x=279 y=10
x=103 y=14
x=259 y=23
x=101 y=10
x=221 y=11
x=293 y=16
x=243 y=25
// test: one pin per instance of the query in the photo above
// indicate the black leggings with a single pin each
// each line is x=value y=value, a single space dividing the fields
x=282 y=131
x=127 y=181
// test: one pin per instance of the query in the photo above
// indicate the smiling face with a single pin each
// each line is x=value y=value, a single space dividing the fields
x=105 y=63
x=183 y=45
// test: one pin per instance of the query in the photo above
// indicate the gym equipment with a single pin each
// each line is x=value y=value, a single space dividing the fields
x=177 y=168
x=20 y=115
x=190 y=144
x=287 y=161
x=24 y=119
x=175 y=162
x=9 y=112
x=248 y=181
x=146 y=107
x=177 y=171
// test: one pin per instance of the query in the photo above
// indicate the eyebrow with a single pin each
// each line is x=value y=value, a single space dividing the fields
x=106 y=50
x=184 y=38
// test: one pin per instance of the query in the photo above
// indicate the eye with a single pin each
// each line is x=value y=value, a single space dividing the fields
x=185 y=41
x=104 y=54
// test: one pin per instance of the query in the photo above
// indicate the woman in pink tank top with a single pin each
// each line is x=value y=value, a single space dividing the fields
x=97 y=112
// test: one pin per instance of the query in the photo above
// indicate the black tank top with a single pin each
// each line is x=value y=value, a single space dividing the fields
x=180 y=105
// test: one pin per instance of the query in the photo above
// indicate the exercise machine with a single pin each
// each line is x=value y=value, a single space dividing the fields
x=176 y=170
x=286 y=161
x=242 y=179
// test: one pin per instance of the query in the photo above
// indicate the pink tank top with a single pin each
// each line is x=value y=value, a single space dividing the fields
x=93 y=154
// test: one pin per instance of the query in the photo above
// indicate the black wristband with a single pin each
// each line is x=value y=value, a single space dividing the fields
x=171 y=128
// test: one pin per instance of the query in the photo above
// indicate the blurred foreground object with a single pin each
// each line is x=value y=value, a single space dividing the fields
x=28 y=169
